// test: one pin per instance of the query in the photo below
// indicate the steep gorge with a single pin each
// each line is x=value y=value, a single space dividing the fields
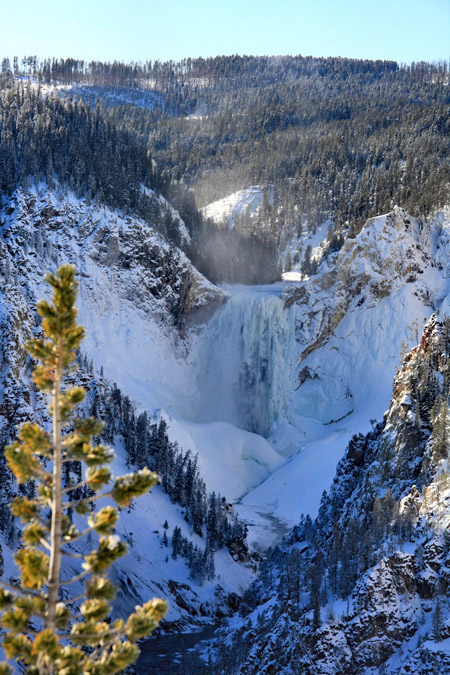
x=364 y=588
x=260 y=382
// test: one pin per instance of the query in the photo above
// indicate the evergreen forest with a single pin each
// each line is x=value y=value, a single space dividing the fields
x=327 y=139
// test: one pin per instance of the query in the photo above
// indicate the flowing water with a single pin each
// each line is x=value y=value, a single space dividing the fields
x=174 y=654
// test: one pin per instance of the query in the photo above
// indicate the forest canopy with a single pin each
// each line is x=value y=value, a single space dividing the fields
x=333 y=139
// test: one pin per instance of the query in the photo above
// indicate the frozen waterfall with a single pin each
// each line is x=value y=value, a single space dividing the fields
x=244 y=365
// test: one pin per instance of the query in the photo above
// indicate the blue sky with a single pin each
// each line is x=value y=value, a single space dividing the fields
x=403 y=30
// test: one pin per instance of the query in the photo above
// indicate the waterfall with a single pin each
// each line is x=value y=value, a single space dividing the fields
x=244 y=364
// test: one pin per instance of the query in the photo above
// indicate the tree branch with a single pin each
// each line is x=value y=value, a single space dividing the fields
x=72 y=555
x=19 y=589
x=86 y=500
x=75 y=487
x=80 y=596
x=74 y=579
x=83 y=533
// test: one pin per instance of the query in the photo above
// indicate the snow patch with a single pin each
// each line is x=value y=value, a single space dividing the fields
x=226 y=210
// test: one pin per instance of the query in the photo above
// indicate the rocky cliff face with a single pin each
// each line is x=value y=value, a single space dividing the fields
x=365 y=301
x=135 y=289
x=364 y=588
x=41 y=228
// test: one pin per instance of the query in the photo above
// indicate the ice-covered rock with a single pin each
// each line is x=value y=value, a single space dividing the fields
x=365 y=303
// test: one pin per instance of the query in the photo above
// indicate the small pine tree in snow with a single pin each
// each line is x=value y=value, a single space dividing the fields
x=41 y=631
x=176 y=542
x=440 y=417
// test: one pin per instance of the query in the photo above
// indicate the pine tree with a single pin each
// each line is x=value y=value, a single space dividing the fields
x=441 y=427
x=176 y=542
x=41 y=631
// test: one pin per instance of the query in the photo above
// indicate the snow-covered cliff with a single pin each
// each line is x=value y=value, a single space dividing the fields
x=305 y=366
x=368 y=298
x=136 y=291
x=364 y=588
x=137 y=295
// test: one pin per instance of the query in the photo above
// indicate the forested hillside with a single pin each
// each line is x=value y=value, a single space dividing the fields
x=335 y=140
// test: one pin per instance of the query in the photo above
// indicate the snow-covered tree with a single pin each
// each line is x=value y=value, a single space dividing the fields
x=440 y=417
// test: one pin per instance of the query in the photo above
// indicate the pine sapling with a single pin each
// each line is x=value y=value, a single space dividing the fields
x=46 y=634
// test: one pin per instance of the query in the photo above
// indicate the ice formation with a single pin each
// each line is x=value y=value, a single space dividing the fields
x=245 y=368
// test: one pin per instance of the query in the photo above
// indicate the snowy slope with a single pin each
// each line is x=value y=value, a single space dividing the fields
x=149 y=569
x=364 y=589
x=231 y=460
x=353 y=319
x=375 y=293
x=244 y=202
x=136 y=291
x=298 y=244
x=136 y=294
x=114 y=96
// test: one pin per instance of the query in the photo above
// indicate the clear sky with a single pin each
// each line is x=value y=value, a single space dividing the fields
x=403 y=30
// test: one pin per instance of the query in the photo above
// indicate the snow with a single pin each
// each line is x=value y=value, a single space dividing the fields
x=442 y=646
x=114 y=96
x=231 y=460
x=113 y=542
x=226 y=210
x=297 y=486
x=297 y=243
x=148 y=569
x=149 y=565
x=361 y=356
x=359 y=327
x=292 y=276
x=143 y=97
x=129 y=331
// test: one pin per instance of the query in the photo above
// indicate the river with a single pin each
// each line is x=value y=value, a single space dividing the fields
x=174 y=654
